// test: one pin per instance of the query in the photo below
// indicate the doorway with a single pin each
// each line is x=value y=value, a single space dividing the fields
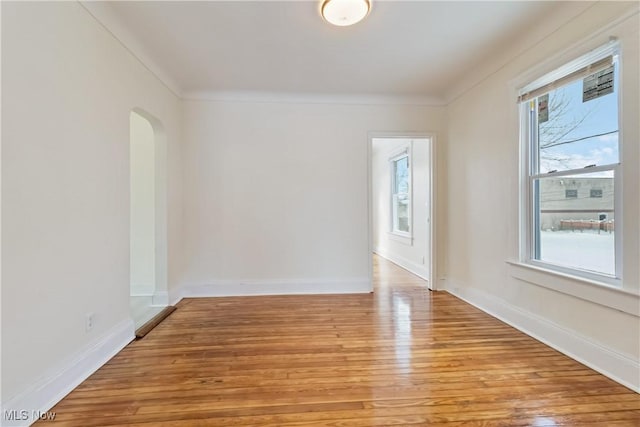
x=148 y=294
x=401 y=203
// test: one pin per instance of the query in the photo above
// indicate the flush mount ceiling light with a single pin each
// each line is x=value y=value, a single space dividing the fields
x=345 y=12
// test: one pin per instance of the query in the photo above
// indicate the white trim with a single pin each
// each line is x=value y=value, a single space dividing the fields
x=112 y=24
x=160 y=299
x=175 y=296
x=433 y=200
x=410 y=266
x=581 y=171
x=404 y=238
x=615 y=365
x=608 y=49
x=238 y=288
x=573 y=51
x=404 y=151
x=311 y=98
x=370 y=209
x=54 y=386
x=579 y=287
x=530 y=168
x=142 y=290
x=592 y=277
x=433 y=217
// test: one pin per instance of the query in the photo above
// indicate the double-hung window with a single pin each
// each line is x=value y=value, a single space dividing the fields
x=571 y=168
x=400 y=166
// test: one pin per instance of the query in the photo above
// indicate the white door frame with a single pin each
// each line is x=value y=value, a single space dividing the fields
x=431 y=244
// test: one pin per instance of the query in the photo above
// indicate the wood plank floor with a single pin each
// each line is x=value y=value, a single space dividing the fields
x=402 y=356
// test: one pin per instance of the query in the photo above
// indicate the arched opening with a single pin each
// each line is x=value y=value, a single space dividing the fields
x=147 y=168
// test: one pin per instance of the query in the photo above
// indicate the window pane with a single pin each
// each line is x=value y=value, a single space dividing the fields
x=573 y=133
x=576 y=231
x=571 y=194
x=402 y=212
x=401 y=175
x=401 y=199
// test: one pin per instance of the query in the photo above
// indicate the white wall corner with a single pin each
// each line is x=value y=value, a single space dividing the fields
x=441 y=284
x=55 y=385
x=104 y=14
x=229 y=288
x=175 y=295
x=615 y=365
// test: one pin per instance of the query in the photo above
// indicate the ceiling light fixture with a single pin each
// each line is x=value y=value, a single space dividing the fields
x=345 y=12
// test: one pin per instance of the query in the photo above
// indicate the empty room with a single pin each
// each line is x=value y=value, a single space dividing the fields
x=320 y=213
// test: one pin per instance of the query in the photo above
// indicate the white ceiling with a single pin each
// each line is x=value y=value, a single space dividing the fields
x=417 y=48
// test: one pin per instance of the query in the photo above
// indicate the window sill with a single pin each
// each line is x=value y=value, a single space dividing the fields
x=406 y=239
x=590 y=290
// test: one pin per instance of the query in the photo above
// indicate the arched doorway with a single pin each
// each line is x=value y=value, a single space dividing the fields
x=147 y=169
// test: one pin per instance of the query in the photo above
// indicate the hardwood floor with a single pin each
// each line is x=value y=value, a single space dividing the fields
x=402 y=356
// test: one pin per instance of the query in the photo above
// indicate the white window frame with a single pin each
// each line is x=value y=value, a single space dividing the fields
x=406 y=152
x=530 y=172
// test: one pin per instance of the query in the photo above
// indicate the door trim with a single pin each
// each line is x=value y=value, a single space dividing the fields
x=431 y=244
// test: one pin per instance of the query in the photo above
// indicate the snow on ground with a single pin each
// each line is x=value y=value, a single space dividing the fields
x=587 y=250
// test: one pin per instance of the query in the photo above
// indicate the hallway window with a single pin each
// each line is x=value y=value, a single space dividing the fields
x=401 y=193
x=570 y=128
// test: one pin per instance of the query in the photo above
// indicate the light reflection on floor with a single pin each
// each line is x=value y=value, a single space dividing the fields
x=402 y=320
x=396 y=302
x=544 y=422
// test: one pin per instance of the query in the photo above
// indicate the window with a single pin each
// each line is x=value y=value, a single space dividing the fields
x=401 y=194
x=569 y=128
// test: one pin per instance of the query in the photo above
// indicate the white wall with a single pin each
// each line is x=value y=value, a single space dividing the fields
x=276 y=193
x=68 y=88
x=597 y=325
x=275 y=198
x=410 y=253
x=142 y=221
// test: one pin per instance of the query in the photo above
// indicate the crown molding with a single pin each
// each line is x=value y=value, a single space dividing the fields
x=312 y=98
x=105 y=16
x=108 y=19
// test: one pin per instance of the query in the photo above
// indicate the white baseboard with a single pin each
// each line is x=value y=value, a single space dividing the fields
x=51 y=388
x=142 y=290
x=417 y=269
x=156 y=298
x=160 y=299
x=619 y=367
x=227 y=288
x=175 y=296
